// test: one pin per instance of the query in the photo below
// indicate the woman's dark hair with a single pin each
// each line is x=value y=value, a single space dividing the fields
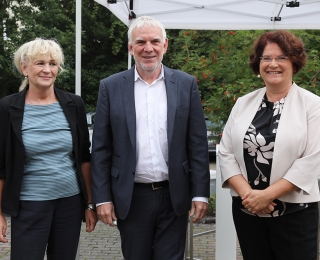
x=291 y=46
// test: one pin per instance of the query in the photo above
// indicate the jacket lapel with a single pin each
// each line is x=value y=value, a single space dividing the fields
x=70 y=111
x=172 y=92
x=127 y=90
x=16 y=113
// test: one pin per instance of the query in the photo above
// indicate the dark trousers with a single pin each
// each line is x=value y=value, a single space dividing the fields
x=152 y=230
x=53 y=224
x=288 y=237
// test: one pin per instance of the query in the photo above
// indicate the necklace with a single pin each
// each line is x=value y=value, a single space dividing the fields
x=42 y=101
x=29 y=100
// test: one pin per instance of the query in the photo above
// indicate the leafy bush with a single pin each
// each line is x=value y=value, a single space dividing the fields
x=212 y=206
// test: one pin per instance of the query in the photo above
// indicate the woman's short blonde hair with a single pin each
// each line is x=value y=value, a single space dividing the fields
x=37 y=49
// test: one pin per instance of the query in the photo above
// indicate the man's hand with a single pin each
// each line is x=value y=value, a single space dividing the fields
x=198 y=210
x=3 y=229
x=106 y=213
x=91 y=220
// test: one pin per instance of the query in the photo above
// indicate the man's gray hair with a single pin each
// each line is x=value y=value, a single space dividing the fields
x=145 y=21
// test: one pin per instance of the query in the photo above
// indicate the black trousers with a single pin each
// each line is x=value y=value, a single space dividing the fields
x=152 y=230
x=288 y=237
x=53 y=225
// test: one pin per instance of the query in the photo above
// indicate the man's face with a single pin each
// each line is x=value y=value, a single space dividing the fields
x=148 y=48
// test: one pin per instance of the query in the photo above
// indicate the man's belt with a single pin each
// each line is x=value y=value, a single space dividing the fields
x=153 y=185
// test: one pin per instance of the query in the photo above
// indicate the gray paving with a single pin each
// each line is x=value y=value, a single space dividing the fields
x=104 y=243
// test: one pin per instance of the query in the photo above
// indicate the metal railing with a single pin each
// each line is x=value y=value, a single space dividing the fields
x=189 y=240
x=225 y=231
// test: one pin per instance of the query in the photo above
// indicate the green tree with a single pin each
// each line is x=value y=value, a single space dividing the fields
x=309 y=76
x=219 y=61
x=104 y=49
x=104 y=41
x=8 y=27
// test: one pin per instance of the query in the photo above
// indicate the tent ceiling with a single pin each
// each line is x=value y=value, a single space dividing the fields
x=222 y=14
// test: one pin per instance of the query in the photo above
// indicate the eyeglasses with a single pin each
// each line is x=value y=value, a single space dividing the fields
x=280 y=59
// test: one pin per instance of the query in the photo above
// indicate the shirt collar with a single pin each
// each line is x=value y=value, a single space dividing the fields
x=137 y=76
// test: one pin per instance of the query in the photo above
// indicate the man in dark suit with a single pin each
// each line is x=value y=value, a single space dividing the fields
x=150 y=154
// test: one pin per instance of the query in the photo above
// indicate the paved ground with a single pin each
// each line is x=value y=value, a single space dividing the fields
x=104 y=243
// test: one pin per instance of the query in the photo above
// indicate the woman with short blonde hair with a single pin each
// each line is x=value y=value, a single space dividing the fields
x=45 y=179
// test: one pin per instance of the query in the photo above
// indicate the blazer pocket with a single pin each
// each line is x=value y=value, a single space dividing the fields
x=186 y=167
x=181 y=110
x=116 y=161
x=116 y=165
x=114 y=171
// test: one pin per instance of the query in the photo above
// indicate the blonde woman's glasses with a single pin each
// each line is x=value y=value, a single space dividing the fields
x=279 y=59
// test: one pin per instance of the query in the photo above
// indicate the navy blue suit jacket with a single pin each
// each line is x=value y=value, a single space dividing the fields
x=113 y=157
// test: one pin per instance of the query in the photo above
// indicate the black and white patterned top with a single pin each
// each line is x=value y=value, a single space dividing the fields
x=258 y=146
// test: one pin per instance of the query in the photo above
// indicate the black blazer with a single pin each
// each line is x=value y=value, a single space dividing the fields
x=12 y=151
x=113 y=161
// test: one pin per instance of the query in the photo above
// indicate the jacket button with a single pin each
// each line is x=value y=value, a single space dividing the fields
x=133 y=172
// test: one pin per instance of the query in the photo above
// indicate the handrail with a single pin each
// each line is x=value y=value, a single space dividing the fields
x=191 y=236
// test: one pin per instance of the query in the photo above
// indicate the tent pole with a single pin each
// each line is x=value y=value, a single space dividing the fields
x=78 y=48
x=78 y=60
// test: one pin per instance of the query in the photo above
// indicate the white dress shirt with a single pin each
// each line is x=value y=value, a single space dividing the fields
x=151 y=130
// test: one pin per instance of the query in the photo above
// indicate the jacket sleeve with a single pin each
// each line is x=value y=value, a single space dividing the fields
x=197 y=146
x=228 y=163
x=305 y=167
x=102 y=149
x=2 y=140
x=82 y=122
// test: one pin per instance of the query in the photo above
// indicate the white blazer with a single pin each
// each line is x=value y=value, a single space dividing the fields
x=296 y=155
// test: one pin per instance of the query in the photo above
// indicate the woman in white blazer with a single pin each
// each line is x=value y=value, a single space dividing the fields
x=270 y=156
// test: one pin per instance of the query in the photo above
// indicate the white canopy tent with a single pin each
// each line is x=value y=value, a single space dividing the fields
x=221 y=14
x=213 y=15
x=210 y=15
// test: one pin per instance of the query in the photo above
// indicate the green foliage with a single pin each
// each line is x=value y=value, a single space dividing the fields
x=104 y=50
x=8 y=26
x=104 y=42
x=309 y=76
x=212 y=206
x=219 y=61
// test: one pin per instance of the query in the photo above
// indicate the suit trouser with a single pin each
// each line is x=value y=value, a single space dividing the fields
x=287 y=237
x=152 y=230
x=52 y=224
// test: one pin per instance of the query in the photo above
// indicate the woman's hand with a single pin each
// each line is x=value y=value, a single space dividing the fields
x=257 y=202
x=91 y=220
x=268 y=209
x=3 y=229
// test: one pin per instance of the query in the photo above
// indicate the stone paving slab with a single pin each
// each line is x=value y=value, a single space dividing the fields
x=104 y=243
